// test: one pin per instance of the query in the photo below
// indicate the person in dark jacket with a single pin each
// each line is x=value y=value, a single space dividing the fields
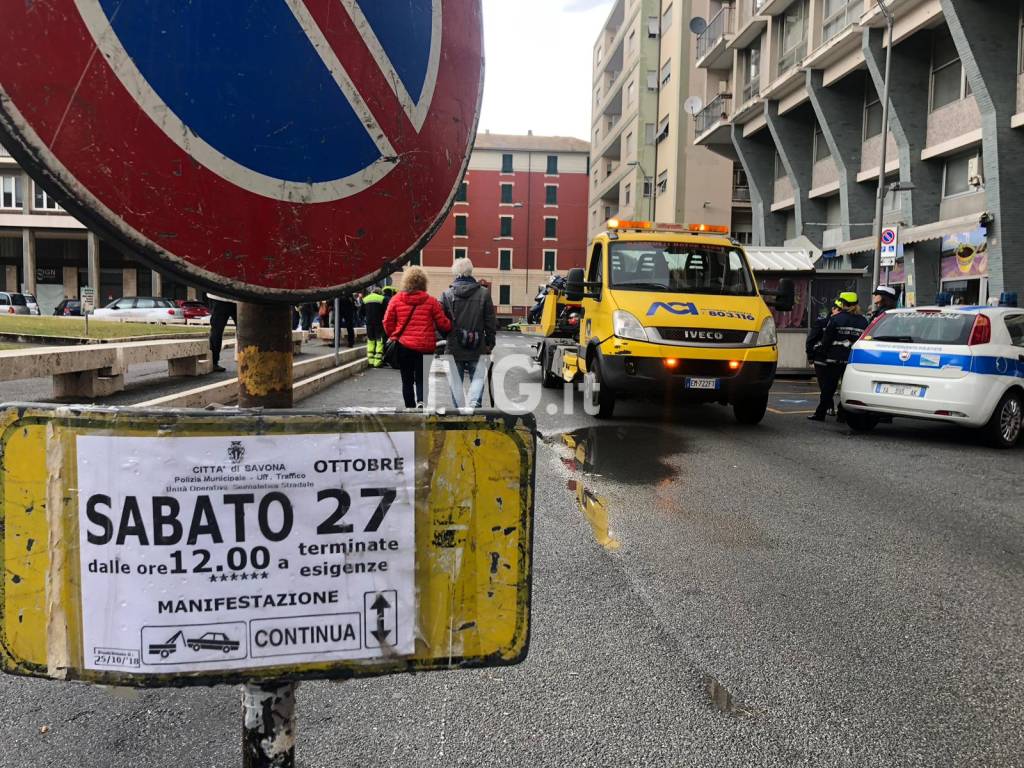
x=815 y=346
x=413 y=319
x=373 y=307
x=884 y=299
x=842 y=332
x=347 y=312
x=474 y=328
x=221 y=310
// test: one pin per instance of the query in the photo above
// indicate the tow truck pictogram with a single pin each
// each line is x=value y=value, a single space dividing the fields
x=210 y=641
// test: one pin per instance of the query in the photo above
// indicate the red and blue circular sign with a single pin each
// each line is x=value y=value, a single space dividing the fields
x=888 y=236
x=275 y=150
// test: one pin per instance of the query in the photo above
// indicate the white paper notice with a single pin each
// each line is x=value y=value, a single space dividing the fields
x=210 y=553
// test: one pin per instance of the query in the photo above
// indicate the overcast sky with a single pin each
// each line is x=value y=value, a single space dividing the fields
x=538 y=65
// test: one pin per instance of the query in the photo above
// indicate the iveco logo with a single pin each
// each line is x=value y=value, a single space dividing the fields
x=695 y=335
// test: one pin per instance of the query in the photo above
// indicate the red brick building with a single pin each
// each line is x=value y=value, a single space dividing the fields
x=521 y=216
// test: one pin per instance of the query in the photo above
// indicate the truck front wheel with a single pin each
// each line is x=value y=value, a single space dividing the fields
x=599 y=395
x=547 y=377
x=751 y=409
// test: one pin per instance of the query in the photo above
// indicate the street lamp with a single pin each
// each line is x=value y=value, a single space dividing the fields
x=636 y=164
x=890 y=20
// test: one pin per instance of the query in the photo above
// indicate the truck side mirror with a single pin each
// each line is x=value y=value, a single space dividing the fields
x=574 y=285
x=784 y=297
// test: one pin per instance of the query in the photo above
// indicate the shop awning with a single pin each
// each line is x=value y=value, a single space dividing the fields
x=763 y=259
x=940 y=229
x=860 y=245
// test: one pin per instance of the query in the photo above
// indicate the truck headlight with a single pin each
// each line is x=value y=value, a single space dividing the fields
x=627 y=327
x=767 y=336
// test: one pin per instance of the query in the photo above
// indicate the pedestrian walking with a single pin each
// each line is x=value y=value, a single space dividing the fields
x=306 y=311
x=323 y=313
x=842 y=331
x=347 y=310
x=412 y=320
x=474 y=326
x=884 y=299
x=221 y=310
x=815 y=347
x=373 y=307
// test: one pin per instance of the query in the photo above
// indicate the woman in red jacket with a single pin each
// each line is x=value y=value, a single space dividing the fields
x=413 y=318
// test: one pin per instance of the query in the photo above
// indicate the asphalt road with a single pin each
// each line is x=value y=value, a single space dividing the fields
x=789 y=594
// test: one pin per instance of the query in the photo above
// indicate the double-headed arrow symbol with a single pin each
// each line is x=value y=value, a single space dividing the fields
x=380 y=605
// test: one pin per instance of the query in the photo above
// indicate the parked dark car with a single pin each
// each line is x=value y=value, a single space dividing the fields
x=69 y=308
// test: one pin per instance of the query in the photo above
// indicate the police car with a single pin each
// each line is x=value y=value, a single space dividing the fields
x=962 y=365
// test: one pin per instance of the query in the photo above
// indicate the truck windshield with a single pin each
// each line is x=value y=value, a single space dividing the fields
x=680 y=268
x=924 y=327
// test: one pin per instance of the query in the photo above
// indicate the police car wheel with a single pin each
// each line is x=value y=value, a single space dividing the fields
x=1007 y=422
x=861 y=422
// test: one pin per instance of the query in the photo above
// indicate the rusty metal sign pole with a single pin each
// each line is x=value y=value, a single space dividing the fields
x=265 y=381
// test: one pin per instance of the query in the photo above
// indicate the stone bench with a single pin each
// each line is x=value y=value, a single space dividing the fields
x=98 y=370
x=326 y=335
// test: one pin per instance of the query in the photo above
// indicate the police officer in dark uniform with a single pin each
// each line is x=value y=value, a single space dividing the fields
x=815 y=346
x=842 y=331
x=885 y=298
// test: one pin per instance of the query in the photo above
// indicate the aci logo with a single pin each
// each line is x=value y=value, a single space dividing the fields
x=675 y=307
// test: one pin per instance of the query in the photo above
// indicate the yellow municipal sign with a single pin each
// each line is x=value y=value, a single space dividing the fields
x=197 y=547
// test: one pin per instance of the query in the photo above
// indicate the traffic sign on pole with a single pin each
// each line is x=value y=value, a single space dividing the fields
x=311 y=148
x=890 y=246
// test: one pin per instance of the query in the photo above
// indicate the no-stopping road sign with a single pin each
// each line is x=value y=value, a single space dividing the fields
x=273 y=150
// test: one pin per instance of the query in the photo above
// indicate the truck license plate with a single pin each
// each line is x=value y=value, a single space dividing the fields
x=903 y=390
x=695 y=383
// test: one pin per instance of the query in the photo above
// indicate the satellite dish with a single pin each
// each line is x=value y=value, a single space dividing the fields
x=698 y=25
x=693 y=105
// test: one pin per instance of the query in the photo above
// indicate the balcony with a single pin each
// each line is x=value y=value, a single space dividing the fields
x=750 y=23
x=840 y=20
x=713 y=121
x=790 y=59
x=741 y=195
x=712 y=43
x=751 y=90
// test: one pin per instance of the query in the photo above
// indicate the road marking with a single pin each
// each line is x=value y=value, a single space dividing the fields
x=788 y=413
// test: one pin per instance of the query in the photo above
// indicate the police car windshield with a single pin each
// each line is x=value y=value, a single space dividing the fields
x=924 y=328
x=680 y=268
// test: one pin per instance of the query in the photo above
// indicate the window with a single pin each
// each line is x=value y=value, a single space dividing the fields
x=595 y=268
x=663 y=182
x=506 y=226
x=463 y=194
x=653 y=28
x=630 y=93
x=666 y=18
x=43 y=202
x=648 y=187
x=839 y=15
x=948 y=84
x=631 y=42
x=550 y=194
x=957 y=175
x=652 y=79
x=505 y=259
x=461 y=225
x=504 y=295
x=680 y=267
x=506 y=194
x=792 y=36
x=552 y=165
x=629 y=143
x=1015 y=325
x=550 y=261
x=10 y=192
x=662 y=130
x=506 y=163
x=460 y=253
x=550 y=228
x=751 y=63
x=872 y=110
x=821 y=150
x=628 y=193
x=648 y=133
x=780 y=168
x=666 y=72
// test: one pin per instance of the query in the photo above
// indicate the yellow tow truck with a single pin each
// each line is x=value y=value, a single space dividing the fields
x=664 y=308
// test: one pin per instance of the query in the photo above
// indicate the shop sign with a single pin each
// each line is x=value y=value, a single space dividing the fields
x=965 y=255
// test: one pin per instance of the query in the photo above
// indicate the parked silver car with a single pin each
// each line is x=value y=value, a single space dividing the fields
x=142 y=309
x=13 y=304
x=33 y=305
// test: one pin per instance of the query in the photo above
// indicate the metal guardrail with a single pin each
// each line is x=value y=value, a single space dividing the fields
x=792 y=57
x=741 y=194
x=713 y=113
x=717 y=29
x=752 y=90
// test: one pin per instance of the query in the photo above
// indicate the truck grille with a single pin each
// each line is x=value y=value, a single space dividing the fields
x=704 y=335
x=717 y=369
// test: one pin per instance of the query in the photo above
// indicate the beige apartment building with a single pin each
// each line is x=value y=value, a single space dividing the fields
x=792 y=92
x=644 y=162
